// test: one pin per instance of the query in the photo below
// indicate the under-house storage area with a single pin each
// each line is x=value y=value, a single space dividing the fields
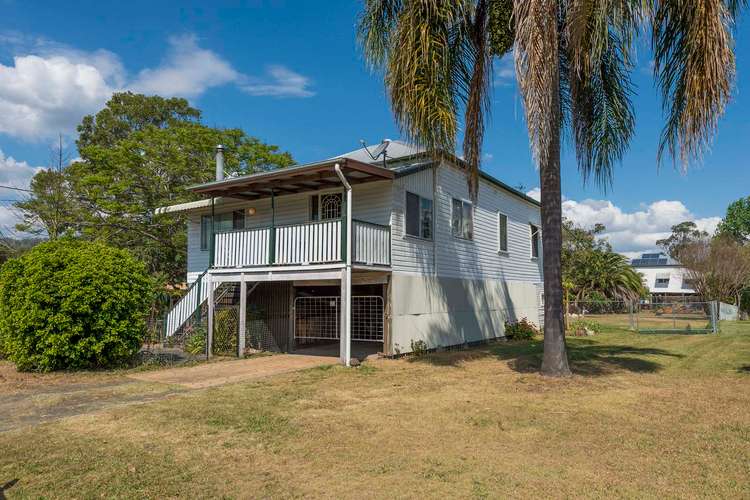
x=317 y=316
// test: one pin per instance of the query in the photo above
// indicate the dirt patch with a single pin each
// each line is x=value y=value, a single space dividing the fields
x=213 y=374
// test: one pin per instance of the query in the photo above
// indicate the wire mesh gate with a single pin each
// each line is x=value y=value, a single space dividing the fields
x=319 y=318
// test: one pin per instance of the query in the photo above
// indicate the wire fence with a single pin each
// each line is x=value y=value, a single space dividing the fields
x=647 y=317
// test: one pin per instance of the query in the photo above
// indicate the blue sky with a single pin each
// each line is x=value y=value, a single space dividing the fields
x=291 y=73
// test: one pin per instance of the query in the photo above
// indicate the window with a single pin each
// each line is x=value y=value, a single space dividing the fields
x=662 y=281
x=502 y=232
x=326 y=206
x=461 y=220
x=688 y=284
x=238 y=219
x=205 y=231
x=418 y=216
x=534 y=241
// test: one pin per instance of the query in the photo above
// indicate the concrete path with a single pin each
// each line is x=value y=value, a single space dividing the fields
x=212 y=374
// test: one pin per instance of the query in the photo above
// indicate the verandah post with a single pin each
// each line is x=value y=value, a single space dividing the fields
x=272 y=235
x=243 y=317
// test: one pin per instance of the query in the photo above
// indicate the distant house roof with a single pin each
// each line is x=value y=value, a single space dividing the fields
x=658 y=259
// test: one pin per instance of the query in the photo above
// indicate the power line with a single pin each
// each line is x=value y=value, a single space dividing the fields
x=16 y=188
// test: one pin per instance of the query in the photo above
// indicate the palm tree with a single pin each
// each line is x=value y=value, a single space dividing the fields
x=573 y=64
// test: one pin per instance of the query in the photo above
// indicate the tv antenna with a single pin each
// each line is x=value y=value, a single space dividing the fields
x=380 y=150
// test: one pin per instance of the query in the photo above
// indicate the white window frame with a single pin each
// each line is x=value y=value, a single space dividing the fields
x=533 y=226
x=500 y=249
x=420 y=226
x=453 y=230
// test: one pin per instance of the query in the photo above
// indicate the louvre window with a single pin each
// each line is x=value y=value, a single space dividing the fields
x=534 y=241
x=418 y=216
x=205 y=231
x=462 y=224
x=502 y=232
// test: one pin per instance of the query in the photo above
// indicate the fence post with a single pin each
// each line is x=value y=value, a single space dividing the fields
x=715 y=316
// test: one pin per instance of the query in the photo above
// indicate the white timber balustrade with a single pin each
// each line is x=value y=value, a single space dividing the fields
x=313 y=243
x=372 y=243
x=187 y=306
x=243 y=248
x=299 y=244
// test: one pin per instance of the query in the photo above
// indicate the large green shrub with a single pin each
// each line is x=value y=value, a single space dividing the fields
x=72 y=304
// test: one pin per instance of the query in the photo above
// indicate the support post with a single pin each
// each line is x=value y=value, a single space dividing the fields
x=272 y=236
x=211 y=307
x=345 y=344
x=243 y=318
x=345 y=349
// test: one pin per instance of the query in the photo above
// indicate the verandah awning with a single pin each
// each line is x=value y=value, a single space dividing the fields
x=297 y=179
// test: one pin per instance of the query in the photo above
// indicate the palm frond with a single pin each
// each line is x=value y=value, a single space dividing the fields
x=695 y=68
x=423 y=49
x=537 y=69
x=478 y=104
x=599 y=35
x=374 y=29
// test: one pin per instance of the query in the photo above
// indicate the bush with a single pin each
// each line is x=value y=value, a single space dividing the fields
x=521 y=330
x=70 y=304
x=583 y=327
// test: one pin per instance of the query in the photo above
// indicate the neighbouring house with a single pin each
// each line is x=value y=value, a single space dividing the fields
x=666 y=279
x=352 y=252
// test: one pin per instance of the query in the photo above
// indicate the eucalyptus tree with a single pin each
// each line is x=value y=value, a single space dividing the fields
x=573 y=63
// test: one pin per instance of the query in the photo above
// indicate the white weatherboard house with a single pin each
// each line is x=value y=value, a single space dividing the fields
x=353 y=252
x=665 y=278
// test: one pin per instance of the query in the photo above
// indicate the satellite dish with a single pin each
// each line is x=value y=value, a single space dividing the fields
x=381 y=149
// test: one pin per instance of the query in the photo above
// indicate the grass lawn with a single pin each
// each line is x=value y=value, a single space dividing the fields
x=645 y=415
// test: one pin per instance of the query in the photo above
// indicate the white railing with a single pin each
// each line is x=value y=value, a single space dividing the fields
x=371 y=243
x=300 y=244
x=248 y=247
x=316 y=242
x=187 y=305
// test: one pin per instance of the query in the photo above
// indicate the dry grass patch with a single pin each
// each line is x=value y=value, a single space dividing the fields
x=646 y=416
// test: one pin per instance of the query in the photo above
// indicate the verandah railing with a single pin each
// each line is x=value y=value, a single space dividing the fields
x=299 y=244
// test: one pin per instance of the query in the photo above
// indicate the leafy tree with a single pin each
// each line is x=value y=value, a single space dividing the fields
x=137 y=154
x=719 y=268
x=127 y=112
x=73 y=304
x=736 y=223
x=682 y=234
x=573 y=66
x=591 y=269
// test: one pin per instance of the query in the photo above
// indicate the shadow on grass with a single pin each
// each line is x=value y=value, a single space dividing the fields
x=744 y=369
x=586 y=356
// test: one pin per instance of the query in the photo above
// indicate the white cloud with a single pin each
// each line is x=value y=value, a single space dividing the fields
x=187 y=71
x=535 y=193
x=50 y=87
x=505 y=71
x=279 y=81
x=17 y=174
x=634 y=232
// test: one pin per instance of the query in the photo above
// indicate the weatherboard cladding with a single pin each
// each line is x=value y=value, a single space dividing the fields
x=383 y=202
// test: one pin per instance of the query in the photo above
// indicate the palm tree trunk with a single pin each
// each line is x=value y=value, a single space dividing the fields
x=555 y=359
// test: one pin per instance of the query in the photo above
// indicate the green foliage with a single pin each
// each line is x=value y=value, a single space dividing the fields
x=592 y=271
x=500 y=26
x=521 y=330
x=683 y=234
x=581 y=327
x=137 y=154
x=418 y=348
x=736 y=223
x=72 y=304
x=196 y=342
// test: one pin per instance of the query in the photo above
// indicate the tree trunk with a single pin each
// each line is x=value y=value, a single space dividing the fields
x=555 y=359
